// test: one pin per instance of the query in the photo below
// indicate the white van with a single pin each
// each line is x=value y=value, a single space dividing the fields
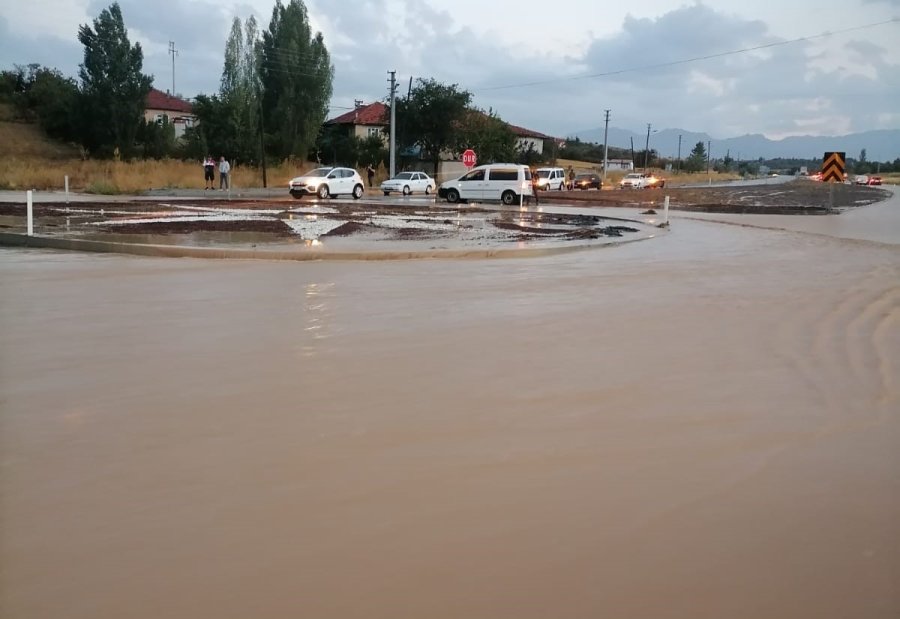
x=506 y=182
x=551 y=178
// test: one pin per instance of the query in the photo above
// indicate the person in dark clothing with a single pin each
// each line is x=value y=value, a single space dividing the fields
x=535 y=188
x=209 y=171
x=370 y=172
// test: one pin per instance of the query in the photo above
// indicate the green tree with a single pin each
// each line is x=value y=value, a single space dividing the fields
x=113 y=88
x=156 y=138
x=296 y=75
x=433 y=118
x=696 y=161
x=46 y=96
x=215 y=126
x=489 y=136
x=239 y=91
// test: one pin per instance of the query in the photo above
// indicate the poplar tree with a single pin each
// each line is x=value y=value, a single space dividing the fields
x=296 y=75
x=113 y=88
x=239 y=90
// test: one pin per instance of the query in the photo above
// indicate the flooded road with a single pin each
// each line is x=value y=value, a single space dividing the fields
x=706 y=425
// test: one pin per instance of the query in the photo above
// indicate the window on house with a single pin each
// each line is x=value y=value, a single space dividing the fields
x=373 y=132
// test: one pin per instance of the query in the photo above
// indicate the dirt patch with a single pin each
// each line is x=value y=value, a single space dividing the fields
x=794 y=197
x=275 y=227
x=596 y=233
x=350 y=228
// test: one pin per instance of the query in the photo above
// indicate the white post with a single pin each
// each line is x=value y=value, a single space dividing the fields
x=29 y=212
x=67 y=190
x=666 y=212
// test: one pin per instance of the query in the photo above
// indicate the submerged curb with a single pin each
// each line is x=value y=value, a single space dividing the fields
x=178 y=251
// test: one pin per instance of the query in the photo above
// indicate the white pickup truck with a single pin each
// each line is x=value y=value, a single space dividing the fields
x=637 y=180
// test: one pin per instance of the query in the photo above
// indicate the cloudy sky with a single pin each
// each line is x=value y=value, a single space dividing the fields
x=553 y=67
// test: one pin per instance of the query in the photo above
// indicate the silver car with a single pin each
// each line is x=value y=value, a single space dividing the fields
x=409 y=182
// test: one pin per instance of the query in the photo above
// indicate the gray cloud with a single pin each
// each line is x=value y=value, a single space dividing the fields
x=786 y=89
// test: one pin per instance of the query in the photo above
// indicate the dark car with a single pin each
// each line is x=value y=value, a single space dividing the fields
x=587 y=181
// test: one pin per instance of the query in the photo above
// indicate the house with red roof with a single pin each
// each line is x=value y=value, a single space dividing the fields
x=527 y=139
x=374 y=120
x=161 y=105
x=365 y=121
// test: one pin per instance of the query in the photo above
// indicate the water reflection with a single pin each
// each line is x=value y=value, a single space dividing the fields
x=317 y=316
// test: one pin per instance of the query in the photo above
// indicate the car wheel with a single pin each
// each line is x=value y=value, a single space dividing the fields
x=387 y=193
x=358 y=192
x=508 y=197
x=562 y=187
x=323 y=192
x=452 y=196
x=296 y=195
x=406 y=191
x=427 y=190
x=662 y=184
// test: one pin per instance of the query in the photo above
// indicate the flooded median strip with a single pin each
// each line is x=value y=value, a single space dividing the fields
x=337 y=231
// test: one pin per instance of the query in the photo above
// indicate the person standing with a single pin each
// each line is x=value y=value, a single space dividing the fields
x=209 y=172
x=535 y=188
x=370 y=172
x=224 y=171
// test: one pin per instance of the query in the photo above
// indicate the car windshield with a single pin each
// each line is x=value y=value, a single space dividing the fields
x=319 y=172
x=543 y=173
x=584 y=177
x=633 y=176
x=404 y=176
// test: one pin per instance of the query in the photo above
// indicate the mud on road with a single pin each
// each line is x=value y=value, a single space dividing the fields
x=797 y=197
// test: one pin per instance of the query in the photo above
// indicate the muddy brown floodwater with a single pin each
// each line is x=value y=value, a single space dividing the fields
x=703 y=426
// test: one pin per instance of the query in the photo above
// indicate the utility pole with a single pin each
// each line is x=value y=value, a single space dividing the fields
x=173 y=51
x=393 y=142
x=708 y=155
x=647 y=148
x=605 y=146
x=632 y=152
x=679 y=153
x=262 y=135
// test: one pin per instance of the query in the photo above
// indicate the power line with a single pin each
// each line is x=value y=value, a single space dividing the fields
x=673 y=63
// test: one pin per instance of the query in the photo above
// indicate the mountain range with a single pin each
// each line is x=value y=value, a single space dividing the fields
x=880 y=145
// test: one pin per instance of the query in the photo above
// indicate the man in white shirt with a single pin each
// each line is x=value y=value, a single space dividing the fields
x=224 y=170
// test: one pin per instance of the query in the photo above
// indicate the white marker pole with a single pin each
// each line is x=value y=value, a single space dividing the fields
x=666 y=211
x=67 y=190
x=29 y=212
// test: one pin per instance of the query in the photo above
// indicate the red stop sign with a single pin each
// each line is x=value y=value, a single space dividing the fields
x=469 y=158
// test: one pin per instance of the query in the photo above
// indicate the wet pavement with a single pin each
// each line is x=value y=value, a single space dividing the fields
x=706 y=425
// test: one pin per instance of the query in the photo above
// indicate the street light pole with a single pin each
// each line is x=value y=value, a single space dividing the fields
x=679 y=153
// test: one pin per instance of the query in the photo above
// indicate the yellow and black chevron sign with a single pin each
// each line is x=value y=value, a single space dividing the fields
x=833 y=167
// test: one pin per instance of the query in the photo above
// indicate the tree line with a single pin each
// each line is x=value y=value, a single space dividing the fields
x=282 y=76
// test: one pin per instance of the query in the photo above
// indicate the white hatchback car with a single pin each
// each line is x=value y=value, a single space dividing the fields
x=409 y=182
x=327 y=182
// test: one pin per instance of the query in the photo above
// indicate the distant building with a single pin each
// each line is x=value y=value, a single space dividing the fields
x=162 y=106
x=620 y=164
x=365 y=121
x=527 y=138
